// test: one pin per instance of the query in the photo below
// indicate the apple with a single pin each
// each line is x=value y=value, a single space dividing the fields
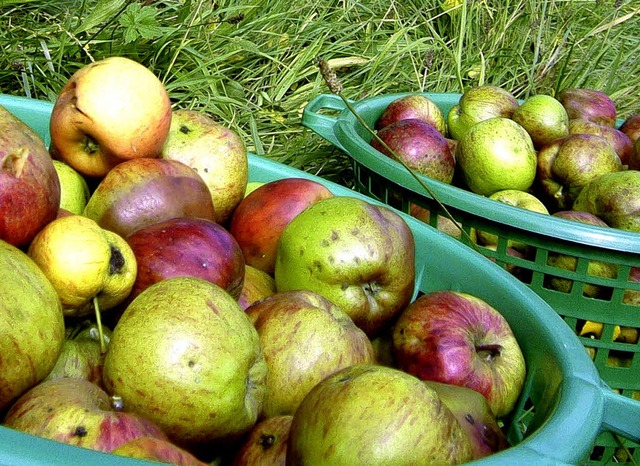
x=257 y=285
x=82 y=355
x=567 y=165
x=496 y=154
x=185 y=355
x=595 y=268
x=456 y=338
x=477 y=104
x=443 y=224
x=420 y=146
x=139 y=192
x=110 y=110
x=369 y=414
x=614 y=198
x=588 y=104
x=29 y=185
x=266 y=444
x=413 y=106
x=215 y=152
x=32 y=327
x=157 y=449
x=358 y=255
x=631 y=127
x=259 y=219
x=515 y=198
x=74 y=190
x=632 y=297
x=85 y=264
x=544 y=118
x=252 y=186
x=77 y=412
x=474 y=415
x=187 y=246
x=304 y=338
x=620 y=142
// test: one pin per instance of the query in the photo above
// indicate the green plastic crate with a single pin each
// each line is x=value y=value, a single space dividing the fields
x=382 y=178
x=564 y=405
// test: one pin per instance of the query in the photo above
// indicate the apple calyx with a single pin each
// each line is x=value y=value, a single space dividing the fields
x=489 y=352
x=14 y=162
x=266 y=441
x=90 y=146
x=116 y=261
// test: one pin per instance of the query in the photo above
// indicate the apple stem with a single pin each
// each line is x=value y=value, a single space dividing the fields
x=96 y=307
x=336 y=87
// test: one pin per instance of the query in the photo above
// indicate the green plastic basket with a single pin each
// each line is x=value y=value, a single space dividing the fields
x=564 y=405
x=382 y=178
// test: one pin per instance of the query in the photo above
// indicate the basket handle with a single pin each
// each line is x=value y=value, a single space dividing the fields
x=621 y=415
x=323 y=124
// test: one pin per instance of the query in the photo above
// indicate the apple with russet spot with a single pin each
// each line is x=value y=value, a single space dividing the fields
x=544 y=118
x=110 y=110
x=457 y=338
x=620 y=142
x=259 y=219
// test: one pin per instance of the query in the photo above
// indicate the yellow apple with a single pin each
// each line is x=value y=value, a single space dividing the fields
x=74 y=190
x=215 y=152
x=84 y=261
x=109 y=111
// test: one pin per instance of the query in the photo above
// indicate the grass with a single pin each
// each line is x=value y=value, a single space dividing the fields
x=252 y=64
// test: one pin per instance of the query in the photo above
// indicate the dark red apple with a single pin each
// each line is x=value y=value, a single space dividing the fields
x=457 y=338
x=29 y=184
x=143 y=191
x=411 y=106
x=77 y=412
x=187 y=246
x=266 y=444
x=420 y=146
x=620 y=142
x=631 y=127
x=589 y=104
x=259 y=219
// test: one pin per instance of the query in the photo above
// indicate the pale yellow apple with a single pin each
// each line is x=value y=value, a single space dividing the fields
x=215 y=152
x=110 y=110
x=84 y=261
x=74 y=190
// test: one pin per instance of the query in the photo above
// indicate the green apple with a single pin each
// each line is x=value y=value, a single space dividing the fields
x=515 y=198
x=305 y=338
x=477 y=104
x=375 y=415
x=215 y=152
x=31 y=324
x=74 y=190
x=544 y=118
x=252 y=186
x=615 y=198
x=496 y=154
x=358 y=255
x=185 y=355
x=257 y=285
x=84 y=261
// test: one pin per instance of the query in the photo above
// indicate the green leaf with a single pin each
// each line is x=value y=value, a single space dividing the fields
x=140 y=23
x=104 y=11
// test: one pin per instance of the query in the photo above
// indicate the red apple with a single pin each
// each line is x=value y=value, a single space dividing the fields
x=187 y=246
x=631 y=127
x=420 y=146
x=456 y=338
x=155 y=449
x=257 y=285
x=110 y=110
x=77 y=412
x=266 y=444
x=412 y=106
x=29 y=184
x=620 y=142
x=259 y=219
x=304 y=338
x=588 y=104
x=143 y=191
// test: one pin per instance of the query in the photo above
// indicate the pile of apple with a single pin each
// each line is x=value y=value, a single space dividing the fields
x=564 y=156
x=155 y=304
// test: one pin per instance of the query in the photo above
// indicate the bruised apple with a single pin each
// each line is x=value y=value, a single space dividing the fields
x=109 y=111
x=143 y=191
x=259 y=219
